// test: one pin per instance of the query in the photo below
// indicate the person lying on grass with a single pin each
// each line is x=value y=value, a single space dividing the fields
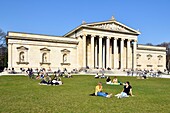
x=98 y=91
x=126 y=92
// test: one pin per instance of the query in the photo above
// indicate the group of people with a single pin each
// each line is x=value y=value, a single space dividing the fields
x=98 y=76
x=143 y=74
x=56 y=80
x=115 y=81
x=47 y=80
x=126 y=92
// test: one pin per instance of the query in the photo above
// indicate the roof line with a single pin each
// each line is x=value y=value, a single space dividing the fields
x=33 y=34
x=86 y=24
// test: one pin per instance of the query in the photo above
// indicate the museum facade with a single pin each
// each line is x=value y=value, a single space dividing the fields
x=94 y=45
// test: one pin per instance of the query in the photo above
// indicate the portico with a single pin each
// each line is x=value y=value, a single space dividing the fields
x=106 y=51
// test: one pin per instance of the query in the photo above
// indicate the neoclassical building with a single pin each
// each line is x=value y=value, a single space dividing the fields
x=94 y=45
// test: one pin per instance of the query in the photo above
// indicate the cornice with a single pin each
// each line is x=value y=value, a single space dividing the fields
x=108 y=30
x=43 y=40
x=151 y=49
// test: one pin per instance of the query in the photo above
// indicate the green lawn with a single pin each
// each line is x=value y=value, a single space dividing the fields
x=18 y=94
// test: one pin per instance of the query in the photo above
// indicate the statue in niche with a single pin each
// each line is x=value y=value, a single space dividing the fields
x=65 y=58
x=22 y=57
x=44 y=57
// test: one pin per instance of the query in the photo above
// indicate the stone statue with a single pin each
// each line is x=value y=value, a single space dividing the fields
x=65 y=58
x=22 y=57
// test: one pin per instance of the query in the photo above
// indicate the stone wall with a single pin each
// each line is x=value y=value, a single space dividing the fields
x=151 y=57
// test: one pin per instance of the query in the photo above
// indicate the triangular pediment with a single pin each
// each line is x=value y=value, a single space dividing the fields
x=113 y=26
x=110 y=26
x=44 y=49
x=22 y=48
x=65 y=51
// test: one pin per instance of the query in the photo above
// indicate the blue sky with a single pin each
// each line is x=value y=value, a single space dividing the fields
x=57 y=17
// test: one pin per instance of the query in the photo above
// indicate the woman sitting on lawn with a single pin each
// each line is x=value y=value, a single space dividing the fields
x=115 y=80
x=126 y=92
x=98 y=91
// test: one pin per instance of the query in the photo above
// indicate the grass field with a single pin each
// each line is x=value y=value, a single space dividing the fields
x=19 y=94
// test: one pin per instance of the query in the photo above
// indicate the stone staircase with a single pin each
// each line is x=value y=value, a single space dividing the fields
x=100 y=71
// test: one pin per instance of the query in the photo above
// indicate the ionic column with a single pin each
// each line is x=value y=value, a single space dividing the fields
x=108 y=52
x=96 y=54
x=121 y=53
x=84 y=50
x=104 y=54
x=134 y=54
x=115 y=54
x=111 y=57
x=100 y=52
x=92 y=51
x=128 y=54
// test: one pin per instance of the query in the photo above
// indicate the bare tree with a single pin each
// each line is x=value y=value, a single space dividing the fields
x=2 y=38
x=149 y=44
x=167 y=45
x=3 y=50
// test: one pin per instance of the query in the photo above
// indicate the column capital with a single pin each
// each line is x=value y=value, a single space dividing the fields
x=129 y=40
x=108 y=37
x=122 y=39
x=135 y=40
x=84 y=34
x=101 y=36
x=93 y=35
x=115 y=38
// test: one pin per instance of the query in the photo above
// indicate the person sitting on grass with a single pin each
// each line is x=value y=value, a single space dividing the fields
x=56 y=81
x=98 y=91
x=44 y=81
x=49 y=80
x=102 y=76
x=97 y=75
x=142 y=77
x=108 y=80
x=126 y=92
x=115 y=80
x=68 y=75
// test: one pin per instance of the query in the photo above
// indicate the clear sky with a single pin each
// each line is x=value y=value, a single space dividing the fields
x=57 y=17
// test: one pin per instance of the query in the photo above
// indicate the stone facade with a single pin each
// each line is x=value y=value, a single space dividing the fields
x=151 y=57
x=40 y=51
x=94 y=45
